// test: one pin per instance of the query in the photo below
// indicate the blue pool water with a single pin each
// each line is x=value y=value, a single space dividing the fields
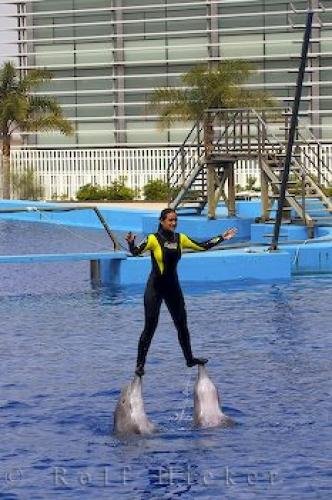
x=66 y=349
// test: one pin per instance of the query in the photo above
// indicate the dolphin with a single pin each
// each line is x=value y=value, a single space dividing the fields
x=207 y=411
x=129 y=414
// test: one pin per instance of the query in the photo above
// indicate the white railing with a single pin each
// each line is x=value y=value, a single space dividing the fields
x=63 y=172
x=324 y=153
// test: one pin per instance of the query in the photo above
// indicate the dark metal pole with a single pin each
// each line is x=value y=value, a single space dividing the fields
x=292 y=130
x=109 y=232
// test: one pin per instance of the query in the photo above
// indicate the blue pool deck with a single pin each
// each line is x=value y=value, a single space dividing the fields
x=296 y=254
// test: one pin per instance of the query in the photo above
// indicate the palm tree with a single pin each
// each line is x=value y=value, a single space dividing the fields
x=219 y=87
x=21 y=111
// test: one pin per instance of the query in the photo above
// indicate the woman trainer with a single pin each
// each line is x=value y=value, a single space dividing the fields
x=163 y=283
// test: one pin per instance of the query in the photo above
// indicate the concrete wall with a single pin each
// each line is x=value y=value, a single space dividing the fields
x=205 y=267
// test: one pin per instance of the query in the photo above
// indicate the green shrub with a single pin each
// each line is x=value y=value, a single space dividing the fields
x=156 y=190
x=116 y=191
x=26 y=185
x=328 y=191
x=88 y=192
x=251 y=181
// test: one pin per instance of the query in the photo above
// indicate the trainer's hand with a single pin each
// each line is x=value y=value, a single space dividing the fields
x=130 y=237
x=229 y=233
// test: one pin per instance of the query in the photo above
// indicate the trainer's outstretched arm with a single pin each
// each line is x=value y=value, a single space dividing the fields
x=144 y=246
x=191 y=244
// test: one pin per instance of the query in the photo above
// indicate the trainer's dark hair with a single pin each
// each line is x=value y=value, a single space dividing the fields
x=164 y=213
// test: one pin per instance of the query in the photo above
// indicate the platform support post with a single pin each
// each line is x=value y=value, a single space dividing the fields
x=95 y=272
x=231 y=192
x=265 y=215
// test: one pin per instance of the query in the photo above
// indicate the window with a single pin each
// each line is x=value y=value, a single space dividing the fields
x=95 y=133
x=145 y=50
x=55 y=138
x=145 y=132
x=188 y=48
x=49 y=55
x=94 y=53
x=241 y=45
x=285 y=43
x=326 y=41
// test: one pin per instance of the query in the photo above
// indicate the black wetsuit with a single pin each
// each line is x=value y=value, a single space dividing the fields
x=163 y=284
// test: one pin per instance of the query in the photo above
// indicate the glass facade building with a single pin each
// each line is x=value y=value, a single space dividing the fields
x=107 y=56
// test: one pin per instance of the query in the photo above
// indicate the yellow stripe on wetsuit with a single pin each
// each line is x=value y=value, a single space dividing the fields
x=151 y=243
x=157 y=252
x=186 y=242
x=156 y=249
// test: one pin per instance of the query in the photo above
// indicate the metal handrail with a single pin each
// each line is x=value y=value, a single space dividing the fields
x=307 y=143
x=179 y=174
x=319 y=144
x=278 y=108
x=199 y=156
x=279 y=143
x=181 y=148
x=320 y=173
x=66 y=208
x=227 y=139
x=314 y=141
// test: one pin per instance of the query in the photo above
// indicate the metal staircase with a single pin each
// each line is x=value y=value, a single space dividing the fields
x=187 y=172
x=186 y=176
x=308 y=173
x=260 y=136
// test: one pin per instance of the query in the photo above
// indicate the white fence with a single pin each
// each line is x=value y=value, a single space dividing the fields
x=63 y=172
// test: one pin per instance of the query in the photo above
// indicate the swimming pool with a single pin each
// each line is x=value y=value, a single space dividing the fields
x=67 y=349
